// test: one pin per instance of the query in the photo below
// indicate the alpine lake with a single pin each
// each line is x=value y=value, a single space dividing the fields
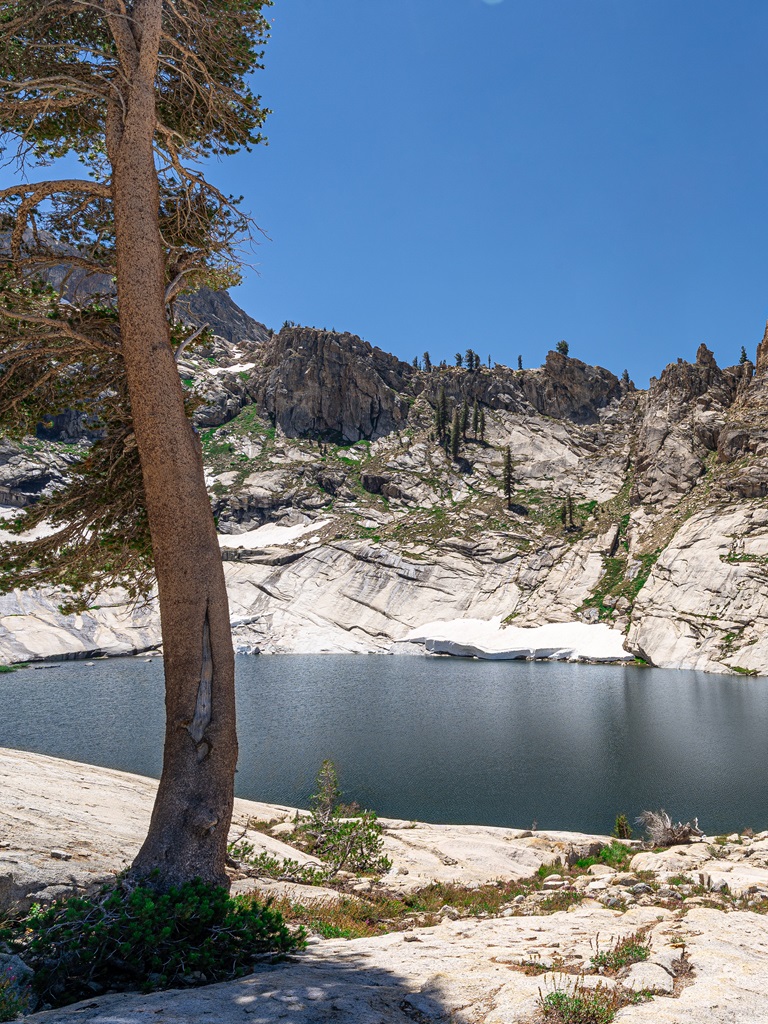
x=514 y=743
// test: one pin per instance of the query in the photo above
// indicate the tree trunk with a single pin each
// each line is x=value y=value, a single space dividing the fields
x=190 y=821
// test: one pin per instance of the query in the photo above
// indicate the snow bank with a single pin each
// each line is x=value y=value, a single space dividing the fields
x=483 y=638
x=270 y=536
x=234 y=368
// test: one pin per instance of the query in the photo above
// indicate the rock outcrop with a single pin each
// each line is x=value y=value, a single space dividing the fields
x=683 y=416
x=472 y=971
x=223 y=316
x=31 y=470
x=330 y=385
x=705 y=604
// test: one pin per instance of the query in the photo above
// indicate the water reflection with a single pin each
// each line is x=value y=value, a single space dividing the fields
x=438 y=739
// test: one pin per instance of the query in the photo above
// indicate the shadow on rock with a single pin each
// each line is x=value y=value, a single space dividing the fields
x=309 y=988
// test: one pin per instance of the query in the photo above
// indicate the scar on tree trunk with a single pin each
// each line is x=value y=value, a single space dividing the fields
x=202 y=717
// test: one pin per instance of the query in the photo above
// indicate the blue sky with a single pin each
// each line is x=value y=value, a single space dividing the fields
x=452 y=173
x=445 y=174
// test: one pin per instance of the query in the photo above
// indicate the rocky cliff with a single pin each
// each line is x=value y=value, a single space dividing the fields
x=346 y=523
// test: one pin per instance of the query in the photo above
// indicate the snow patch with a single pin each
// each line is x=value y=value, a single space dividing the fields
x=234 y=368
x=489 y=639
x=270 y=536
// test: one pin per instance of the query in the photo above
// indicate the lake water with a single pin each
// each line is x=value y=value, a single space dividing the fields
x=437 y=739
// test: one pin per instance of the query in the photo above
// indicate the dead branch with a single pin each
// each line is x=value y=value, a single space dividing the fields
x=662 y=832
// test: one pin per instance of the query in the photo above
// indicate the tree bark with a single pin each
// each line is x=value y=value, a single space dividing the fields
x=190 y=821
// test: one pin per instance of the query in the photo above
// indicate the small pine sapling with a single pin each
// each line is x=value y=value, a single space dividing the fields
x=507 y=476
x=621 y=828
x=455 y=435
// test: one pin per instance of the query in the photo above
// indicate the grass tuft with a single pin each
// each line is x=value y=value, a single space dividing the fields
x=631 y=950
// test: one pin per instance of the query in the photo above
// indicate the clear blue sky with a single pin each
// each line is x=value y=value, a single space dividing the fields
x=452 y=173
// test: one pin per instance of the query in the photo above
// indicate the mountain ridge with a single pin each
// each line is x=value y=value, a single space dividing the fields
x=616 y=493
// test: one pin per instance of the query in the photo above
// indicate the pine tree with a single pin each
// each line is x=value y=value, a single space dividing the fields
x=459 y=359
x=475 y=418
x=441 y=415
x=625 y=377
x=144 y=93
x=455 y=435
x=519 y=362
x=427 y=362
x=743 y=356
x=562 y=347
x=566 y=514
x=482 y=424
x=507 y=476
x=415 y=362
x=464 y=420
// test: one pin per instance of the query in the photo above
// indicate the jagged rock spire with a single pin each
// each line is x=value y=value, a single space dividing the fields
x=706 y=357
x=762 y=353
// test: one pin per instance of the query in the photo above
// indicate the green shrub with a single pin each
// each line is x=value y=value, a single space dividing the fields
x=14 y=1000
x=545 y=870
x=343 y=836
x=265 y=865
x=344 y=843
x=562 y=899
x=622 y=829
x=631 y=950
x=132 y=936
x=617 y=855
x=579 y=1005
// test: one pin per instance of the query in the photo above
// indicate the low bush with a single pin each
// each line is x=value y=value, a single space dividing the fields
x=14 y=999
x=576 y=1004
x=470 y=901
x=631 y=950
x=285 y=869
x=351 y=918
x=132 y=936
x=343 y=836
x=545 y=870
x=344 y=843
x=617 y=855
x=561 y=900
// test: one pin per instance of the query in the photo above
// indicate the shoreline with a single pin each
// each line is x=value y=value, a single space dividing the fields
x=470 y=638
x=69 y=826
x=54 y=781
